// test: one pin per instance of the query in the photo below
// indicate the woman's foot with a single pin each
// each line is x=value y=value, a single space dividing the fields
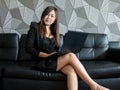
x=99 y=87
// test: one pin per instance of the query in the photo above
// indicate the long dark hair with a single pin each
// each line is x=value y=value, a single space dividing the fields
x=53 y=27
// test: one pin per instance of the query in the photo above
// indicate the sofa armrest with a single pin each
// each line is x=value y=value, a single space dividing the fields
x=114 y=50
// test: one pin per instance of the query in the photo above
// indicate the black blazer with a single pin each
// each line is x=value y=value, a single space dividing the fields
x=33 y=46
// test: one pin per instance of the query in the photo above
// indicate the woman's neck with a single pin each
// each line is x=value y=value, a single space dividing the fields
x=48 y=32
x=48 y=28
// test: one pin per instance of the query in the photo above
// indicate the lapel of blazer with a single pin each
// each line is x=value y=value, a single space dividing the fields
x=38 y=34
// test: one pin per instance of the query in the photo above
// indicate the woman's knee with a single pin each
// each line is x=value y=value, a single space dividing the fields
x=68 y=70
x=65 y=60
x=70 y=56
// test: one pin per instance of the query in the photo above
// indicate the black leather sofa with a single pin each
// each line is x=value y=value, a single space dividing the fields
x=100 y=57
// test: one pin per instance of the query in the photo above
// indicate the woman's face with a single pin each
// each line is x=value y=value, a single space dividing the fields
x=50 y=18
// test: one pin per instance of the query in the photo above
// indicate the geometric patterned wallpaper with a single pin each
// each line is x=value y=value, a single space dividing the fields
x=94 y=16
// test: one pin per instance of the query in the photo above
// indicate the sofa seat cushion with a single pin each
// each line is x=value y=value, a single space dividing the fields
x=102 y=69
x=1 y=78
x=4 y=64
x=22 y=71
x=96 y=69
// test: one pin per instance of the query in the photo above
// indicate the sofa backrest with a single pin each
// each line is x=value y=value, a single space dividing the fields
x=9 y=45
x=23 y=55
x=94 y=45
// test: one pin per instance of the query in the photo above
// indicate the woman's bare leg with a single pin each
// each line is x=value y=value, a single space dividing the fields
x=71 y=59
x=72 y=79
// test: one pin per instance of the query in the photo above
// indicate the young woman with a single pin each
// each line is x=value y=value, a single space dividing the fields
x=43 y=43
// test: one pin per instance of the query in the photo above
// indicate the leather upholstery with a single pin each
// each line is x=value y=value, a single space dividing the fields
x=23 y=56
x=91 y=45
x=94 y=55
x=114 y=51
x=9 y=47
x=95 y=47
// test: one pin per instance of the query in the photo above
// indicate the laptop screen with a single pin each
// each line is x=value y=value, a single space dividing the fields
x=74 y=41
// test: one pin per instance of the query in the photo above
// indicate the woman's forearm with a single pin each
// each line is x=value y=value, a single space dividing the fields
x=44 y=55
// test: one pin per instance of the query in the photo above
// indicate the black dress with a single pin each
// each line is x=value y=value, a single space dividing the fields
x=50 y=63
